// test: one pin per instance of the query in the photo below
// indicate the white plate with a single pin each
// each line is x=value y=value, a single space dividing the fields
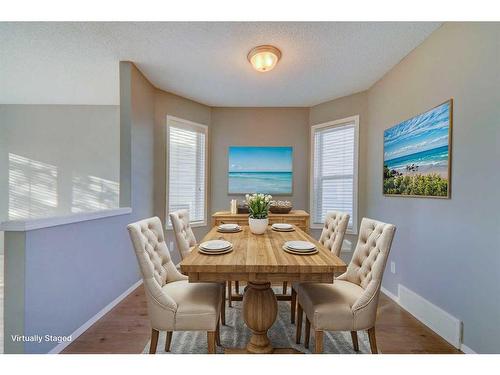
x=300 y=245
x=229 y=227
x=229 y=231
x=301 y=251
x=295 y=252
x=216 y=245
x=215 y=252
x=282 y=226
x=283 y=230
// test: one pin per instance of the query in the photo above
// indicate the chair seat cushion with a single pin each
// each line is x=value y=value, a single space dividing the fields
x=329 y=306
x=198 y=305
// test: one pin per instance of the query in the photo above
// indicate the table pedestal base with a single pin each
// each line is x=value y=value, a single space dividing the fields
x=259 y=312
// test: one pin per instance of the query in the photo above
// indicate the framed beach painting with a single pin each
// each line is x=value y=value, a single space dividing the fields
x=265 y=170
x=417 y=155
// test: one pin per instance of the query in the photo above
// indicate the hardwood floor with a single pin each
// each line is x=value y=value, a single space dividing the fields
x=125 y=329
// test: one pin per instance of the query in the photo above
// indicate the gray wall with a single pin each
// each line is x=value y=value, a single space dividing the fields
x=79 y=143
x=337 y=109
x=142 y=140
x=259 y=127
x=447 y=250
x=73 y=271
x=444 y=250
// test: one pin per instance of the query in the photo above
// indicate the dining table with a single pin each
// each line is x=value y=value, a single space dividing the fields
x=260 y=261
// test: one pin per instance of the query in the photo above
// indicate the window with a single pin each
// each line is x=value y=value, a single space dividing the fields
x=187 y=169
x=334 y=181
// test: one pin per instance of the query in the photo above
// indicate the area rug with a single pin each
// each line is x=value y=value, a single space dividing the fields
x=235 y=335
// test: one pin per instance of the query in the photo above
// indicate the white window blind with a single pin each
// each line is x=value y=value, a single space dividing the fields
x=334 y=177
x=186 y=164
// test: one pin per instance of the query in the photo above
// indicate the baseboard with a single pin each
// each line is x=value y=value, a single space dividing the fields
x=392 y=296
x=441 y=322
x=438 y=320
x=60 y=347
x=464 y=348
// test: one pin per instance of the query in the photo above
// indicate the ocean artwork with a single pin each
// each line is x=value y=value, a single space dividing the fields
x=417 y=154
x=265 y=170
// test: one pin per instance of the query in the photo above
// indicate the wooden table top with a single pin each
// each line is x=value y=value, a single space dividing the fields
x=261 y=258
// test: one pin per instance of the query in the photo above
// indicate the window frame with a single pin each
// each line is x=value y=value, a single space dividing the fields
x=205 y=129
x=335 y=124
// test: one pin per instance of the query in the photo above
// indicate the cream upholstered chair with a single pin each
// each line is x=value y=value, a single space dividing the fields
x=334 y=230
x=173 y=303
x=184 y=236
x=186 y=242
x=350 y=303
x=331 y=237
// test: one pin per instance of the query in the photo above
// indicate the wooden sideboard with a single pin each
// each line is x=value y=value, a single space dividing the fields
x=299 y=218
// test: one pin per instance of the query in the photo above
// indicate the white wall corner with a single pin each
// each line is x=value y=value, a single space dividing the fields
x=60 y=347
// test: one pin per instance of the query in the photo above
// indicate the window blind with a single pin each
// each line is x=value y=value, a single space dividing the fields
x=334 y=171
x=187 y=169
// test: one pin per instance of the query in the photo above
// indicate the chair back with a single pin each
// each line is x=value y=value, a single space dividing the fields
x=184 y=236
x=370 y=256
x=334 y=230
x=152 y=253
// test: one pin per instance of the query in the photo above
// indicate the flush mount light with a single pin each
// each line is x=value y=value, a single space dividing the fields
x=264 y=58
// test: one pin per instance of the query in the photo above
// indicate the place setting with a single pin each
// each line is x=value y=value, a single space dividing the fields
x=215 y=247
x=300 y=248
x=282 y=227
x=229 y=228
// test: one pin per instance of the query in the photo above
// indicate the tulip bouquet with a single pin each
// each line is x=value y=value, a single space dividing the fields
x=258 y=205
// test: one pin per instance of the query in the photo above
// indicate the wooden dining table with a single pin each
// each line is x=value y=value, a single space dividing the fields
x=260 y=261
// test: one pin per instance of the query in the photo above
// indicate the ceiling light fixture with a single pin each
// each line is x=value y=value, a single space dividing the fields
x=264 y=58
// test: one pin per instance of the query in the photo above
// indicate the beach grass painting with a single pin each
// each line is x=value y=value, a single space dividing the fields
x=417 y=159
x=266 y=170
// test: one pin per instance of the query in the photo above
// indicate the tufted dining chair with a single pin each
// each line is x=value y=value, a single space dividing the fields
x=184 y=236
x=332 y=237
x=350 y=303
x=186 y=242
x=173 y=303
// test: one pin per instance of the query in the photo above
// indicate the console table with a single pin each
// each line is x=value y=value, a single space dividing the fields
x=300 y=218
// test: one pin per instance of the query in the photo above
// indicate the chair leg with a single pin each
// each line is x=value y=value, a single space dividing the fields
x=318 y=347
x=217 y=334
x=211 y=342
x=237 y=287
x=223 y=306
x=308 y=332
x=285 y=287
x=229 y=293
x=293 y=306
x=354 y=337
x=154 y=341
x=373 y=341
x=299 y=324
x=168 y=341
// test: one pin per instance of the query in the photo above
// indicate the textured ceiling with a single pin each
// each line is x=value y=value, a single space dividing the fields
x=77 y=63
